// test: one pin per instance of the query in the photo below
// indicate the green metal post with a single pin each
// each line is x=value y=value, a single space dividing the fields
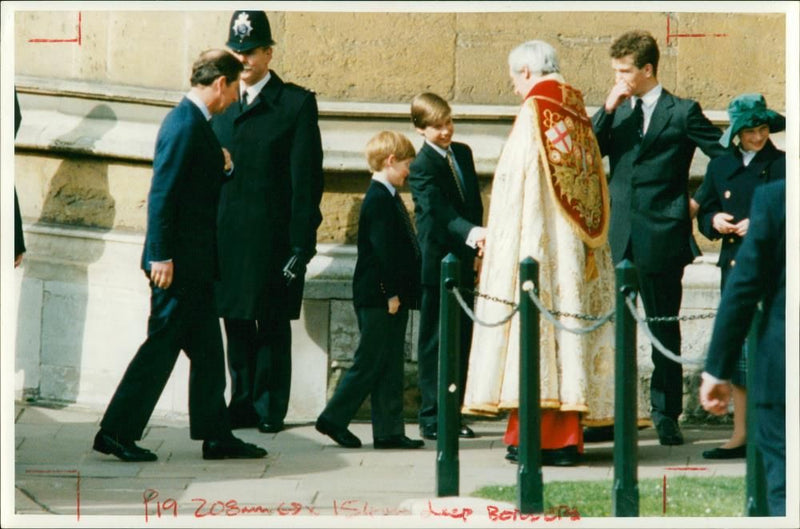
x=625 y=495
x=529 y=474
x=447 y=476
x=756 y=494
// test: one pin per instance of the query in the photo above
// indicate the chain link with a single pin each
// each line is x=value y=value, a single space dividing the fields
x=655 y=341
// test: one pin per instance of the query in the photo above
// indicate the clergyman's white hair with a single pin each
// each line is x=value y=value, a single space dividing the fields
x=538 y=56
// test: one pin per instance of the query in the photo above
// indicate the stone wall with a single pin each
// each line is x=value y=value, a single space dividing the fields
x=390 y=56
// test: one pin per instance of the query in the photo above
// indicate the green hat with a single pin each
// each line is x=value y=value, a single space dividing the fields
x=750 y=110
x=248 y=30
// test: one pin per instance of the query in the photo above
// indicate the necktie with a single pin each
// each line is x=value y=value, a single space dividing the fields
x=244 y=100
x=452 y=163
x=407 y=223
x=638 y=117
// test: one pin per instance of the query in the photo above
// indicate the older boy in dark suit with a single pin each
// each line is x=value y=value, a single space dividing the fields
x=180 y=259
x=449 y=214
x=650 y=137
x=385 y=287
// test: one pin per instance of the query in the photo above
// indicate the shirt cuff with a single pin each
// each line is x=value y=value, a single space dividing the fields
x=475 y=234
x=158 y=262
x=711 y=378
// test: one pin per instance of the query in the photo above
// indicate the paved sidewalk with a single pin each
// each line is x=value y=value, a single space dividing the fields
x=305 y=473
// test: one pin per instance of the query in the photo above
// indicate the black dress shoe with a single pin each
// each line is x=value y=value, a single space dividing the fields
x=669 y=433
x=107 y=443
x=561 y=457
x=465 y=432
x=598 y=434
x=341 y=436
x=512 y=454
x=231 y=448
x=726 y=453
x=270 y=427
x=397 y=441
x=429 y=431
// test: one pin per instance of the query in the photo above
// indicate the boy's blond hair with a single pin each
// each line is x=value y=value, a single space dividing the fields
x=387 y=142
x=429 y=109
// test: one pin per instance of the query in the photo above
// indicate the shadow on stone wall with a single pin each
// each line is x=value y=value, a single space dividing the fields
x=78 y=194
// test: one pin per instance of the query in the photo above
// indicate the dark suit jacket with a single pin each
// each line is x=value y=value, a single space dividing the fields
x=188 y=173
x=648 y=182
x=387 y=264
x=443 y=220
x=271 y=209
x=19 y=237
x=759 y=275
x=728 y=187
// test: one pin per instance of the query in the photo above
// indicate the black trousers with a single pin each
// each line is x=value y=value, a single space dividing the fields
x=377 y=371
x=180 y=319
x=428 y=352
x=771 y=440
x=661 y=296
x=260 y=365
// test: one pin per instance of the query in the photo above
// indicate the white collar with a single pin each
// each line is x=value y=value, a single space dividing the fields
x=650 y=98
x=747 y=156
x=442 y=152
x=194 y=98
x=381 y=177
x=253 y=91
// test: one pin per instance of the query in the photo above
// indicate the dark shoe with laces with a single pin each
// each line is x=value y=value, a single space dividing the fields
x=341 y=436
x=126 y=450
x=561 y=457
x=397 y=441
x=669 y=433
x=270 y=427
x=231 y=448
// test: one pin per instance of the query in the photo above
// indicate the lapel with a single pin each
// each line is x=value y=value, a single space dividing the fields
x=440 y=162
x=214 y=149
x=761 y=161
x=662 y=114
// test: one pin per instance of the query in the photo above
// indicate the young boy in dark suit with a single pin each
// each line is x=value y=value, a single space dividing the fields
x=385 y=287
x=449 y=214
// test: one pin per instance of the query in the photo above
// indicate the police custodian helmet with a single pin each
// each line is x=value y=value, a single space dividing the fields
x=248 y=30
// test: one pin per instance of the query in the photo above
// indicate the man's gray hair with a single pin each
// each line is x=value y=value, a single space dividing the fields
x=540 y=58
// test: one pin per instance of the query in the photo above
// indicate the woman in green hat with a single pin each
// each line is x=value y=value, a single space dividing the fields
x=724 y=204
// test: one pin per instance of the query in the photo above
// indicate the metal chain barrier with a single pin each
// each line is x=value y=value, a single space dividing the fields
x=527 y=286
x=599 y=321
x=655 y=341
x=475 y=318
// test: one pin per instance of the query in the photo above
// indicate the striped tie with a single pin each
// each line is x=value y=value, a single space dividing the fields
x=452 y=163
x=407 y=223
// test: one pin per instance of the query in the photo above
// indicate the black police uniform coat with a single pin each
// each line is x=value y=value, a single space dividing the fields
x=728 y=187
x=271 y=208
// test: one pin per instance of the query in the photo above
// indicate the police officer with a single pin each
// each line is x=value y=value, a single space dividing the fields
x=268 y=219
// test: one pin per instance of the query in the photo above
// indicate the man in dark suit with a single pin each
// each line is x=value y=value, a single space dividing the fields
x=180 y=259
x=449 y=214
x=650 y=137
x=759 y=275
x=268 y=220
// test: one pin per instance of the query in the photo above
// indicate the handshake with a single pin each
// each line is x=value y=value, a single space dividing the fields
x=296 y=266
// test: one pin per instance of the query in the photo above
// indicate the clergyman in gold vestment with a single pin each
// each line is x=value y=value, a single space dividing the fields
x=549 y=201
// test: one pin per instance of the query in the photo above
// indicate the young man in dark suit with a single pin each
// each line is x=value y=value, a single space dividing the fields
x=449 y=214
x=268 y=219
x=650 y=137
x=759 y=276
x=385 y=287
x=180 y=260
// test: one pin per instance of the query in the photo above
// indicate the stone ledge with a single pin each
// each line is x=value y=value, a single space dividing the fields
x=121 y=122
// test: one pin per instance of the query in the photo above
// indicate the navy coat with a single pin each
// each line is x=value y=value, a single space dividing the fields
x=648 y=182
x=444 y=220
x=387 y=263
x=188 y=173
x=271 y=209
x=759 y=275
x=728 y=187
